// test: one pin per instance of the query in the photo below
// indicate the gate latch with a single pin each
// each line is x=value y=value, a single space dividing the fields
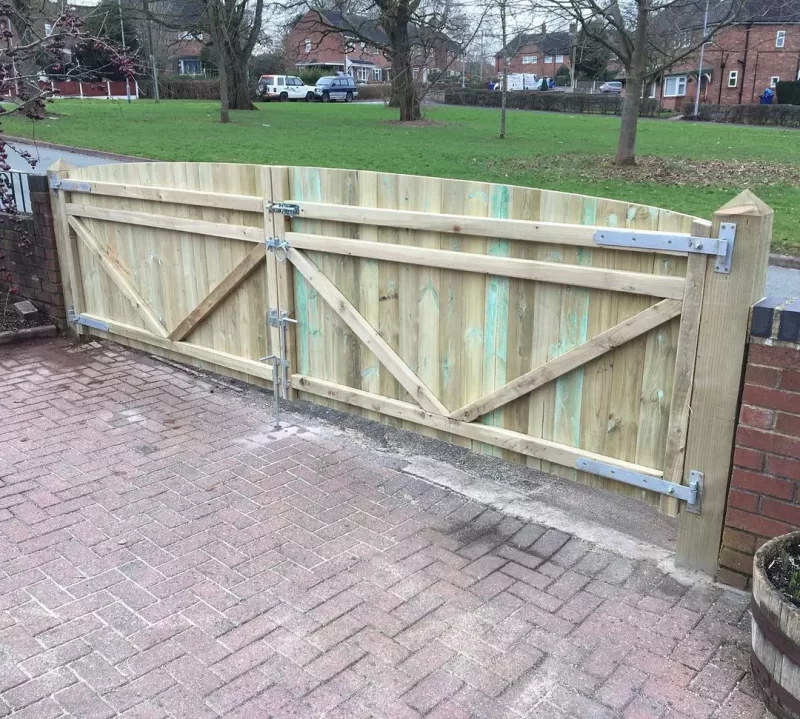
x=279 y=247
x=290 y=209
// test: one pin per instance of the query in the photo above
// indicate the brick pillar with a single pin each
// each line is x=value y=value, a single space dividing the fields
x=764 y=496
x=33 y=266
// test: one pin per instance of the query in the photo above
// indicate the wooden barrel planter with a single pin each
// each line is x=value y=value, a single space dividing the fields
x=775 y=655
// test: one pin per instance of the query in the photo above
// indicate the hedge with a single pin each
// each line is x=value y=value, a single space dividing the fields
x=788 y=92
x=779 y=115
x=173 y=88
x=549 y=101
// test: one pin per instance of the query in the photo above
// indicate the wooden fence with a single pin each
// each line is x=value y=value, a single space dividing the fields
x=495 y=317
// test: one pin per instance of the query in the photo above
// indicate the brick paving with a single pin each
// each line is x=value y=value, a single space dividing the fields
x=165 y=553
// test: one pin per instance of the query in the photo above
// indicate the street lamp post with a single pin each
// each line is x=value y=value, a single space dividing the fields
x=700 y=69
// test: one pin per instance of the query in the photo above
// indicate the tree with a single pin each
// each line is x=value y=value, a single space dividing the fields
x=591 y=57
x=409 y=33
x=39 y=36
x=107 y=21
x=646 y=37
x=233 y=28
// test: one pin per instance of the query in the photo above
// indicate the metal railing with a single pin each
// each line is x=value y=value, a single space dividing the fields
x=14 y=192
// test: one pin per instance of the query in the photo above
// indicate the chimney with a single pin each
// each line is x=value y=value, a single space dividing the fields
x=544 y=28
x=573 y=28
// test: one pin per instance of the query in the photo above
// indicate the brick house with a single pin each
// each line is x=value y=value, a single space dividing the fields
x=337 y=42
x=757 y=51
x=540 y=53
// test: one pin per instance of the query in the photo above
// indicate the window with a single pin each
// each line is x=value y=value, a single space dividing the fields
x=376 y=74
x=308 y=46
x=675 y=86
x=363 y=73
x=774 y=80
x=780 y=38
x=363 y=45
x=548 y=58
x=48 y=29
x=529 y=59
x=3 y=24
x=186 y=35
x=559 y=58
x=190 y=66
x=416 y=73
x=733 y=78
x=685 y=39
x=652 y=90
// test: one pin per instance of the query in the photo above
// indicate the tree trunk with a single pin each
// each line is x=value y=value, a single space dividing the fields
x=404 y=90
x=238 y=84
x=224 y=96
x=626 y=148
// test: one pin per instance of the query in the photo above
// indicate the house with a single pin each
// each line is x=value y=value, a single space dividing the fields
x=333 y=41
x=758 y=50
x=540 y=53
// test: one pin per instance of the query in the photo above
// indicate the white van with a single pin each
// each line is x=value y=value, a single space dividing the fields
x=282 y=88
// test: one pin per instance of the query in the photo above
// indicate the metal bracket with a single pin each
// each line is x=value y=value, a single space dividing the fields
x=279 y=247
x=69 y=185
x=86 y=321
x=690 y=493
x=290 y=209
x=727 y=232
x=721 y=247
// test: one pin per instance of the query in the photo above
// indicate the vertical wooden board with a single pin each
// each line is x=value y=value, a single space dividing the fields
x=473 y=315
x=429 y=292
x=368 y=300
x=568 y=410
x=495 y=344
x=306 y=186
x=451 y=300
x=628 y=367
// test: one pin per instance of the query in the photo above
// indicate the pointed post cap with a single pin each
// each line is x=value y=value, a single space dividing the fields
x=745 y=203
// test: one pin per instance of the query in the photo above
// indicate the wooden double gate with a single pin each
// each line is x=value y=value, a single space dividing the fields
x=595 y=339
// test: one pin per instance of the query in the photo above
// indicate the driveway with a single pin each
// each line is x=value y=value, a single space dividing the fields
x=167 y=553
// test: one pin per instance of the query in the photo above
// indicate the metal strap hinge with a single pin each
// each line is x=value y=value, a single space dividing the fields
x=690 y=493
x=69 y=185
x=85 y=321
x=720 y=247
x=291 y=209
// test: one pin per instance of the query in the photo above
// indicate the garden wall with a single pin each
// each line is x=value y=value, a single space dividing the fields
x=28 y=256
x=764 y=496
x=548 y=101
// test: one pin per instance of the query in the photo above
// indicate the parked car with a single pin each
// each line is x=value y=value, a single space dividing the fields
x=340 y=87
x=282 y=88
x=611 y=88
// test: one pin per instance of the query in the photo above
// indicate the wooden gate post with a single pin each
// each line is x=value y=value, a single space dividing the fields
x=67 y=246
x=718 y=374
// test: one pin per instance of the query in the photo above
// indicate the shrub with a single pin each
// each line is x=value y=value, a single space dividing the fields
x=779 y=115
x=374 y=92
x=549 y=101
x=788 y=92
x=310 y=77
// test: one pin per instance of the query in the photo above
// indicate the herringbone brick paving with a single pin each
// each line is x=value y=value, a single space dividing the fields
x=164 y=553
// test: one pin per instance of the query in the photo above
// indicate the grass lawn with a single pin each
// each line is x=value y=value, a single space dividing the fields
x=687 y=167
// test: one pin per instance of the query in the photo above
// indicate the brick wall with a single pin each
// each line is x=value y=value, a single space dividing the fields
x=28 y=254
x=764 y=496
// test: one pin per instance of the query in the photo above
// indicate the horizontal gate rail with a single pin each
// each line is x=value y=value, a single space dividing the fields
x=166 y=222
x=507 y=439
x=558 y=233
x=221 y=201
x=617 y=280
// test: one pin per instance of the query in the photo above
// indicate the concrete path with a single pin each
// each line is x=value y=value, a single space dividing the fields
x=165 y=553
